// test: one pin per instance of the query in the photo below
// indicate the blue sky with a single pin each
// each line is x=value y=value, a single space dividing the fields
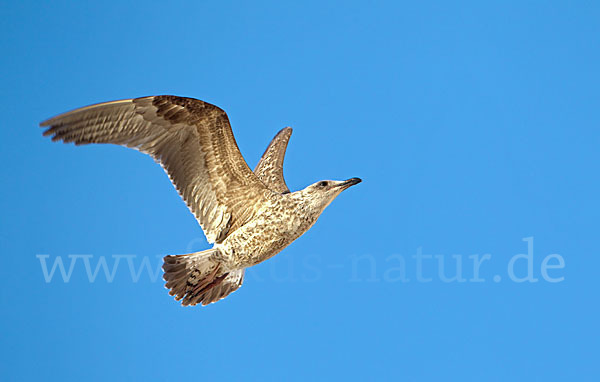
x=474 y=126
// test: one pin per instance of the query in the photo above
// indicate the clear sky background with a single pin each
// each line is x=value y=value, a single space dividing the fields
x=474 y=125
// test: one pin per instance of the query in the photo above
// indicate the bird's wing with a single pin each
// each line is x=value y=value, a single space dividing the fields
x=270 y=167
x=193 y=142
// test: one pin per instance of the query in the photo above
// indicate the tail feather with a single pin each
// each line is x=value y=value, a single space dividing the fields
x=197 y=278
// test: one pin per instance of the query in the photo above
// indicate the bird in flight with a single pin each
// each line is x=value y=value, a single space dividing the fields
x=249 y=216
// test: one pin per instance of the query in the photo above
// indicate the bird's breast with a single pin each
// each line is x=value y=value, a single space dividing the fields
x=270 y=231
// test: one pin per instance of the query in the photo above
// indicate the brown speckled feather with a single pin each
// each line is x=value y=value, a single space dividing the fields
x=193 y=142
x=270 y=167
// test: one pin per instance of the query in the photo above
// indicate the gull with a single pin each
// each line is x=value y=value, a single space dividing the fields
x=248 y=216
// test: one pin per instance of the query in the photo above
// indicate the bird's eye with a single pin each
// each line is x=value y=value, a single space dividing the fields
x=323 y=184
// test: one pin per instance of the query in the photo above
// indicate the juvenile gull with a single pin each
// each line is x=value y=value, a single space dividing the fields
x=249 y=216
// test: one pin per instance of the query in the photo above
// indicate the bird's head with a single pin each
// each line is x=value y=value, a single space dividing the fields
x=318 y=195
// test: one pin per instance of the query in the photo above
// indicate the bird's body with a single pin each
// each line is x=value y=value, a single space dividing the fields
x=250 y=216
x=280 y=220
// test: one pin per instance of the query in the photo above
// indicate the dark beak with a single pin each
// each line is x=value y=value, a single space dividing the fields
x=349 y=183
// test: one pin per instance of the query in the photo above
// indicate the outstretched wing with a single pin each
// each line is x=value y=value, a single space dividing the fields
x=193 y=142
x=270 y=167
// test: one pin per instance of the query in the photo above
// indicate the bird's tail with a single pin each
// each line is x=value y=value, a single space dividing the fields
x=197 y=278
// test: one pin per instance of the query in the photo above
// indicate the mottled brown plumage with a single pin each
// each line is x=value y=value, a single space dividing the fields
x=270 y=167
x=249 y=216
